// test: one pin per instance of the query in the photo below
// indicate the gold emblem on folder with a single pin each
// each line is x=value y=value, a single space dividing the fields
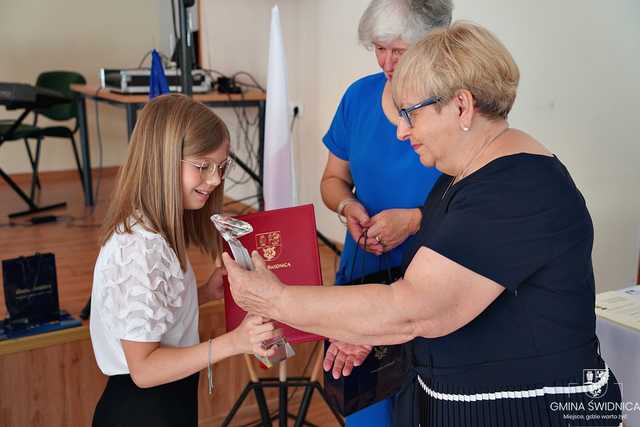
x=269 y=245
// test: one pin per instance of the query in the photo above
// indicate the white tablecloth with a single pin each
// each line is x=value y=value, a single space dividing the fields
x=620 y=348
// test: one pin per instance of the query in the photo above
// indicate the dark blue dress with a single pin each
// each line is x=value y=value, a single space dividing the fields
x=521 y=222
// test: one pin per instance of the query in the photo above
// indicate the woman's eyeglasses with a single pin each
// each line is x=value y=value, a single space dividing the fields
x=405 y=113
x=208 y=168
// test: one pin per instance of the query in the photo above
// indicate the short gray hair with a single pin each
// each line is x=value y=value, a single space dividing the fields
x=407 y=20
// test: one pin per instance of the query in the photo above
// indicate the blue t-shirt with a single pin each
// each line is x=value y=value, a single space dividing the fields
x=386 y=171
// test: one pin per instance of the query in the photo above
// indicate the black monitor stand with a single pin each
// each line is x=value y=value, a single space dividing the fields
x=186 y=44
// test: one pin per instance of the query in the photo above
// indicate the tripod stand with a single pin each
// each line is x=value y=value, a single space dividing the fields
x=282 y=383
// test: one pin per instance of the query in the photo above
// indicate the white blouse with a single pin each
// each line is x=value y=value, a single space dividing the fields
x=140 y=294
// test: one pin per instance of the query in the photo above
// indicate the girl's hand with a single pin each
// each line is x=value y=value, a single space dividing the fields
x=214 y=284
x=252 y=332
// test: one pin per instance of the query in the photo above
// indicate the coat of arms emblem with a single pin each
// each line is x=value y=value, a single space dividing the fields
x=269 y=245
x=594 y=376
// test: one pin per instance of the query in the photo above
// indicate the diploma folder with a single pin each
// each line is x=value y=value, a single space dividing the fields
x=286 y=239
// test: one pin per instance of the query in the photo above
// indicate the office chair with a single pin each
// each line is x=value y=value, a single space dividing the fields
x=60 y=82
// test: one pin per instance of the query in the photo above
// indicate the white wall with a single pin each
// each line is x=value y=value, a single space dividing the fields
x=579 y=62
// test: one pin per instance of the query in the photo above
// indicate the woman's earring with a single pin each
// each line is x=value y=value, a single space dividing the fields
x=466 y=129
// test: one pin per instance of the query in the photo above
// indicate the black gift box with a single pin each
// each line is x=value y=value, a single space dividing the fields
x=31 y=289
x=382 y=373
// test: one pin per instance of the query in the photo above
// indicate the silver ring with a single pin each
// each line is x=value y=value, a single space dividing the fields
x=379 y=240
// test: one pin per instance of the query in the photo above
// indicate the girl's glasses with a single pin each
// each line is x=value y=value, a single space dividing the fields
x=208 y=168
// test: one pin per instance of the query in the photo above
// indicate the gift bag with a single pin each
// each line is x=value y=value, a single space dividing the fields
x=31 y=289
x=384 y=370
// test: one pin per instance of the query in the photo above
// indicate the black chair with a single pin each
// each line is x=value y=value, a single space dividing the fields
x=60 y=82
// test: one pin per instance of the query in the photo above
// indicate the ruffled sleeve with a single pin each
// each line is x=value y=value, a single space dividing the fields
x=143 y=287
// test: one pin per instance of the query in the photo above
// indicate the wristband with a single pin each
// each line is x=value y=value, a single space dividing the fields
x=209 y=373
x=342 y=205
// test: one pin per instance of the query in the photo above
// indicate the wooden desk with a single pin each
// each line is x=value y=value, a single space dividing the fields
x=132 y=103
x=35 y=342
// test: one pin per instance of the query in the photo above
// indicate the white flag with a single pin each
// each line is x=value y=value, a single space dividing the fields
x=279 y=176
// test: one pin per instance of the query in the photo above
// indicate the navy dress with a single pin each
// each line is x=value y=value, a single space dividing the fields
x=531 y=358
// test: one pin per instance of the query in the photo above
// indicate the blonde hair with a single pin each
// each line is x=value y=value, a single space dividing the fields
x=462 y=56
x=149 y=185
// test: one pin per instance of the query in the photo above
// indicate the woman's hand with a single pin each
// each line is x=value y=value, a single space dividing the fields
x=255 y=291
x=251 y=333
x=357 y=221
x=342 y=357
x=391 y=227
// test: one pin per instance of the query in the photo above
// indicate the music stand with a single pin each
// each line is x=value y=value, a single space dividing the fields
x=283 y=383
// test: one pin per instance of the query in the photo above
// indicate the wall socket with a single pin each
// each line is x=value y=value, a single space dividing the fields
x=292 y=109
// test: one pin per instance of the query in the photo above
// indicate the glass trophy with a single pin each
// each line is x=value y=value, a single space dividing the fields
x=231 y=230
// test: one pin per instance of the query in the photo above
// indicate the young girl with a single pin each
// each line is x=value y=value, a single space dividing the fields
x=144 y=302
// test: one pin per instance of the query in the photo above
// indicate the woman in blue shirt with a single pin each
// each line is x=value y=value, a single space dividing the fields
x=365 y=155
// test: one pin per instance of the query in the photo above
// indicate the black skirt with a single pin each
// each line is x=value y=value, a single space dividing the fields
x=414 y=406
x=549 y=410
x=124 y=404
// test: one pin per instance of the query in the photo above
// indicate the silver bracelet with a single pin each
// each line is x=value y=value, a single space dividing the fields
x=209 y=373
x=342 y=205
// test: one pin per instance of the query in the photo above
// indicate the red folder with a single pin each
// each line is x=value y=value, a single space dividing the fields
x=286 y=239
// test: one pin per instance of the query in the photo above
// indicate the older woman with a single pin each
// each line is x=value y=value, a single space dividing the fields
x=497 y=300
x=361 y=143
x=363 y=132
